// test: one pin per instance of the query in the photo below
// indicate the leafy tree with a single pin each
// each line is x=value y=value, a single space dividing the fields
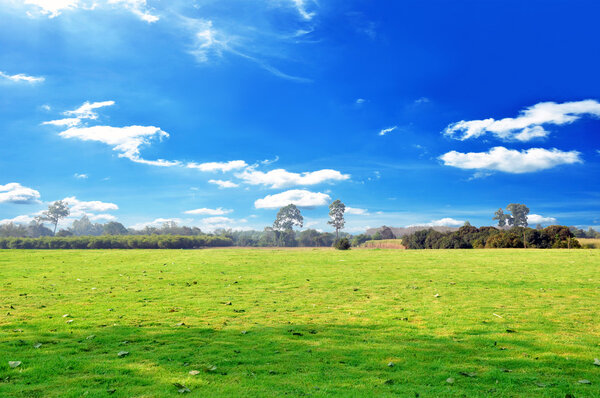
x=519 y=214
x=503 y=219
x=360 y=239
x=114 y=228
x=36 y=229
x=342 y=244
x=287 y=217
x=336 y=213
x=84 y=227
x=56 y=212
x=387 y=233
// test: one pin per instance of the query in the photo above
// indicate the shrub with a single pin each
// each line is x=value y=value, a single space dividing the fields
x=342 y=244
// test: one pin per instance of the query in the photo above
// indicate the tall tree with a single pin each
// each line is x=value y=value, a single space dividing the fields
x=56 y=212
x=503 y=219
x=519 y=214
x=336 y=213
x=287 y=217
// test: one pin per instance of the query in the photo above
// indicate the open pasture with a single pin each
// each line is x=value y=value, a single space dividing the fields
x=300 y=322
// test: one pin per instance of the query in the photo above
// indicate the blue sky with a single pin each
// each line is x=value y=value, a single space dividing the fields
x=216 y=113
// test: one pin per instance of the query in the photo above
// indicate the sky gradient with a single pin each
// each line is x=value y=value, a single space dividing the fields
x=217 y=113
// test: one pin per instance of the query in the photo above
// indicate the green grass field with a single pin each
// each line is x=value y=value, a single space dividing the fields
x=300 y=322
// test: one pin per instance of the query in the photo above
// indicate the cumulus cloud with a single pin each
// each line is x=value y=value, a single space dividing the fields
x=209 y=212
x=218 y=166
x=125 y=140
x=16 y=193
x=528 y=125
x=298 y=197
x=79 y=208
x=21 y=78
x=80 y=176
x=511 y=161
x=86 y=110
x=357 y=211
x=442 y=222
x=24 y=219
x=224 y=184
x=387 y=130
x=280 y=178
x=538 y=219
x=158 y=222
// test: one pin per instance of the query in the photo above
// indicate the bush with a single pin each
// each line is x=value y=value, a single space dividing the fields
x=342 y=244
x=116 y=242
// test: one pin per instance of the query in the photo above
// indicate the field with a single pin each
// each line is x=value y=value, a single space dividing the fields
x=593 y=242
x=384 y=244
x=300 y=322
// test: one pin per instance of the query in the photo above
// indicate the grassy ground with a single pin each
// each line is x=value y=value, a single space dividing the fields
x=593 y=242
x=270 y=323
x=384 y=244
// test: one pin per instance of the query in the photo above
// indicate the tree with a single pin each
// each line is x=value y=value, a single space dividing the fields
x=503 y=219
x=114 y=228
x=336 y=213
x=519 y=214
x=287 y=217
x=56 y=212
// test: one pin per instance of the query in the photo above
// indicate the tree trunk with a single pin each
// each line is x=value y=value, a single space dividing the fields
x=55 y=224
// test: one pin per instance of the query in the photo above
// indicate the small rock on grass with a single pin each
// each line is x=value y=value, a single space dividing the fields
x=111 y=390
x=584 y=381
x=38 y=345
x=14 y=364
x=468 y=374
x=596 y=361
x=181 y=388
x=450 y=380
x=90 y=337
x=70 y=321
x=391 y=364
x=122 y=354
x=194 y=372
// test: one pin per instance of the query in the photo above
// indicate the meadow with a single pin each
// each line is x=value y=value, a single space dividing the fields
x=300 y=322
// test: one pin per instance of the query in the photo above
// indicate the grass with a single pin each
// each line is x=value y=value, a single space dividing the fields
x=384 y=244
x=303 y=322
x=593 y=243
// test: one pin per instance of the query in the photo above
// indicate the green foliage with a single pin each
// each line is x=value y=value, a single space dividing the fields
x=467 y=237
x=116 y=242
x=336 y=215
x=360 y=239
x=342 y=244
x=288 y=217
x=56 y=212
x=114 y=228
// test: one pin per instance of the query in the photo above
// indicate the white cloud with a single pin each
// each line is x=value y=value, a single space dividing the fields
x=158 y=222
x=67 y=122
x=218 y=220
x=224 y=184
x=510 y=160
x=209 y=212
x=298 y=197
x=387 y=130
x=357 y=211
x=24 y=219
x=528 y=125
x=218 y=166
x=538 y=219
x=125 y=140
x=442 y=222
x=21 y=78
x=16 y=193
x=280 y=178
x=301 y=7
x=360 y=101
x=53 y=8
x=138 y=7
x=422 y=100
x=80 y=208
x=80 y=176
x=86 y=110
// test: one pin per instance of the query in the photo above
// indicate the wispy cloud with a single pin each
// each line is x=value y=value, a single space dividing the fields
x=209 y=212
x=81 y=176
x=357 y=211
x=20 y=77
x=528 y=125
x=511 y=161
x=53 y=8
x=298 y=197
x=442 y=222
x=387 y=130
